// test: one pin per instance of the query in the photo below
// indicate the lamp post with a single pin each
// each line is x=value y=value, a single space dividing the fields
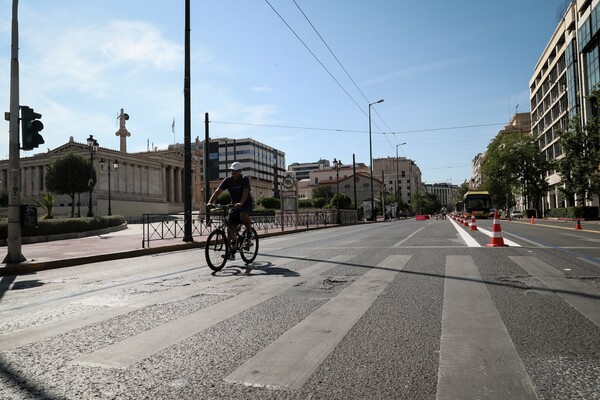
x=397 y=173
x=371 y=161
x=104 y=166
x=337 y=164
x=93 y=145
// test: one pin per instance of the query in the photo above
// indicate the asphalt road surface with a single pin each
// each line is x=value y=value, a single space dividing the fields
x=397 y=310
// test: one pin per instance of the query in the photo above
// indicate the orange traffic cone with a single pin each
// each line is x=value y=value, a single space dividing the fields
x=466 y=220
x=496 y=240
x=473 y=223
x=578 y=225
x=532 y=219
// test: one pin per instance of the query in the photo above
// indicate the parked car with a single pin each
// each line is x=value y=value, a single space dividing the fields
x=516 y=214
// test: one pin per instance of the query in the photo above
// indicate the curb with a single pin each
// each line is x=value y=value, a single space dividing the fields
x=35 y=266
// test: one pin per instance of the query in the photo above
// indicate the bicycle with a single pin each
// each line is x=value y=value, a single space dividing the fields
x=219 y=246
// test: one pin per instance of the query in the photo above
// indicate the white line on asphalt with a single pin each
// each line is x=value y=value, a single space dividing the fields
x=145 y=344
x=477 y=357
x=409 y=236
x=288 y=362
x=506 y=241
x=580 y=296
x=469 y=241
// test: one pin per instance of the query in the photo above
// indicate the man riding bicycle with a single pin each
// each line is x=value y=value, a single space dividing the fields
x=238 y=187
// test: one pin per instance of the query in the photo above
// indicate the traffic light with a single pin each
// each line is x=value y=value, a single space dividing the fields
x=30 y=129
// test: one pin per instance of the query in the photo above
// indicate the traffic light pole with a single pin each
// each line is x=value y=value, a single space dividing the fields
x=14 y=173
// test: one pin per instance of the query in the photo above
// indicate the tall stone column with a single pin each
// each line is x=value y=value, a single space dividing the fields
x=123 y=133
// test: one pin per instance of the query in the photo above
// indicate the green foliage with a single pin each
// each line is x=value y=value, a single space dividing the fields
x=426 y=203
x=64 y=226
x=47 y=204
x=271 y=203
x=578 y=168
x=305 y=204
x=588 y=213
x=223 y=198
x=345 y=202
x=321 y=195
x=513 y=166
x=70 y=174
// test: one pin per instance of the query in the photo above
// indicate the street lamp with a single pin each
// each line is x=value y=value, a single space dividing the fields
x=93 y=145
x=337 y=164
x=371 y=161
x=104 y=166
x=397 y=173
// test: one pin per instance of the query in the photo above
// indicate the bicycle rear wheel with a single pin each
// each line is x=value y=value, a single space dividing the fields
x=216 y=250
x=249 y=248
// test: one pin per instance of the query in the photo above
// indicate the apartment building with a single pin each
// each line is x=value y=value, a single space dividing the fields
x=400 y=176
x=566 y=72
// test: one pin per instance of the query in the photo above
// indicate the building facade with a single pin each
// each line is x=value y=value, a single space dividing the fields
x=400 y=176
x=446 y=192
x=302 y=170
x=150 y=182
x=568 y=69
x=263 y=164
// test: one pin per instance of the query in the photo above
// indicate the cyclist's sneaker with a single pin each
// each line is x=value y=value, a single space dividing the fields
x=229 y=256
x=249 y=235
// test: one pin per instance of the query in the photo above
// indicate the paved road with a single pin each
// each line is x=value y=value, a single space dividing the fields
x=397 y=310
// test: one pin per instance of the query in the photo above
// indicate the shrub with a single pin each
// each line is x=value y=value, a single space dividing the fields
x=67 y=225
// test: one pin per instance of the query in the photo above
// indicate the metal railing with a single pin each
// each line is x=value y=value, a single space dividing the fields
x=172 y=226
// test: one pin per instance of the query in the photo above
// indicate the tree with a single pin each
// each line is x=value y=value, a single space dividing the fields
x=514 y=165
x=70 y=174
x=47 y=204
x=345 y=202
x=580 y=145
x=321 y=195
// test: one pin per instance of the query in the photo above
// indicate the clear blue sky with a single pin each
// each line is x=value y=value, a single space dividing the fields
x=437 y=65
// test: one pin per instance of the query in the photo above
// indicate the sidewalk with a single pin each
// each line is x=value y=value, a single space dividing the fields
x=121 y=244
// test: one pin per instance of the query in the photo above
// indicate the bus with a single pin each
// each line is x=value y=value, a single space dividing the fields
x=478 y=203
x=459 y=207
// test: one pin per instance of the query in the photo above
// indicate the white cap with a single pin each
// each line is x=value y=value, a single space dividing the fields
x=236 y=166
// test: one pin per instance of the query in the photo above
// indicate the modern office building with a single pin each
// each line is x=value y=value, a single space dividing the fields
x=302 y=170
x=446 y=192
x=566 y=72
x=264 y=164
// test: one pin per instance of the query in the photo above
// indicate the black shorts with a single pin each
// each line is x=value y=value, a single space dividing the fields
x=234 y=215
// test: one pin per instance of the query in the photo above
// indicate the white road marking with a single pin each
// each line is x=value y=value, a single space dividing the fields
x=145 y=344
x=477 y=357
x=465 y=236
x=288 y=362
x=580 y=296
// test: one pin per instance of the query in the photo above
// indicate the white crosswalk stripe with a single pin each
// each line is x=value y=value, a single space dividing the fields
x=477 y=356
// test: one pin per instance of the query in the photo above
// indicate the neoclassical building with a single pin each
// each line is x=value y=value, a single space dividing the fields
x=149 y=182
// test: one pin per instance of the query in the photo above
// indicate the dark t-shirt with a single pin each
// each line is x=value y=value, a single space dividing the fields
x=236 y=187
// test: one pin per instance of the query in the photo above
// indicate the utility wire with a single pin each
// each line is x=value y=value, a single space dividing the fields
x=343 y=68
x=313 y=54
x=354 y=131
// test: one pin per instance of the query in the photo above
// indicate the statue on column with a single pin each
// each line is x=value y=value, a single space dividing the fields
x=123 y=132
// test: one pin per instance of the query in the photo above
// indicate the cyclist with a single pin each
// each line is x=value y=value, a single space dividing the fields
x=238 y=187
x=443 y=211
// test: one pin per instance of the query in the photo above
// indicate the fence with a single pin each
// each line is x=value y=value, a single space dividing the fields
x=172 y=226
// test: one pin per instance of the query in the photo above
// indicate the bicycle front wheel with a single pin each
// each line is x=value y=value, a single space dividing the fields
x=216 y=250
x=249 y=248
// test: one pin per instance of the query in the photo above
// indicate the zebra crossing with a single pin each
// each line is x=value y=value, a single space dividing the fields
x=477 y=357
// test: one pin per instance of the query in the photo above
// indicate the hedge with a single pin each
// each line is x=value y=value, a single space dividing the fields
x=65 y=225
x=586 y=212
